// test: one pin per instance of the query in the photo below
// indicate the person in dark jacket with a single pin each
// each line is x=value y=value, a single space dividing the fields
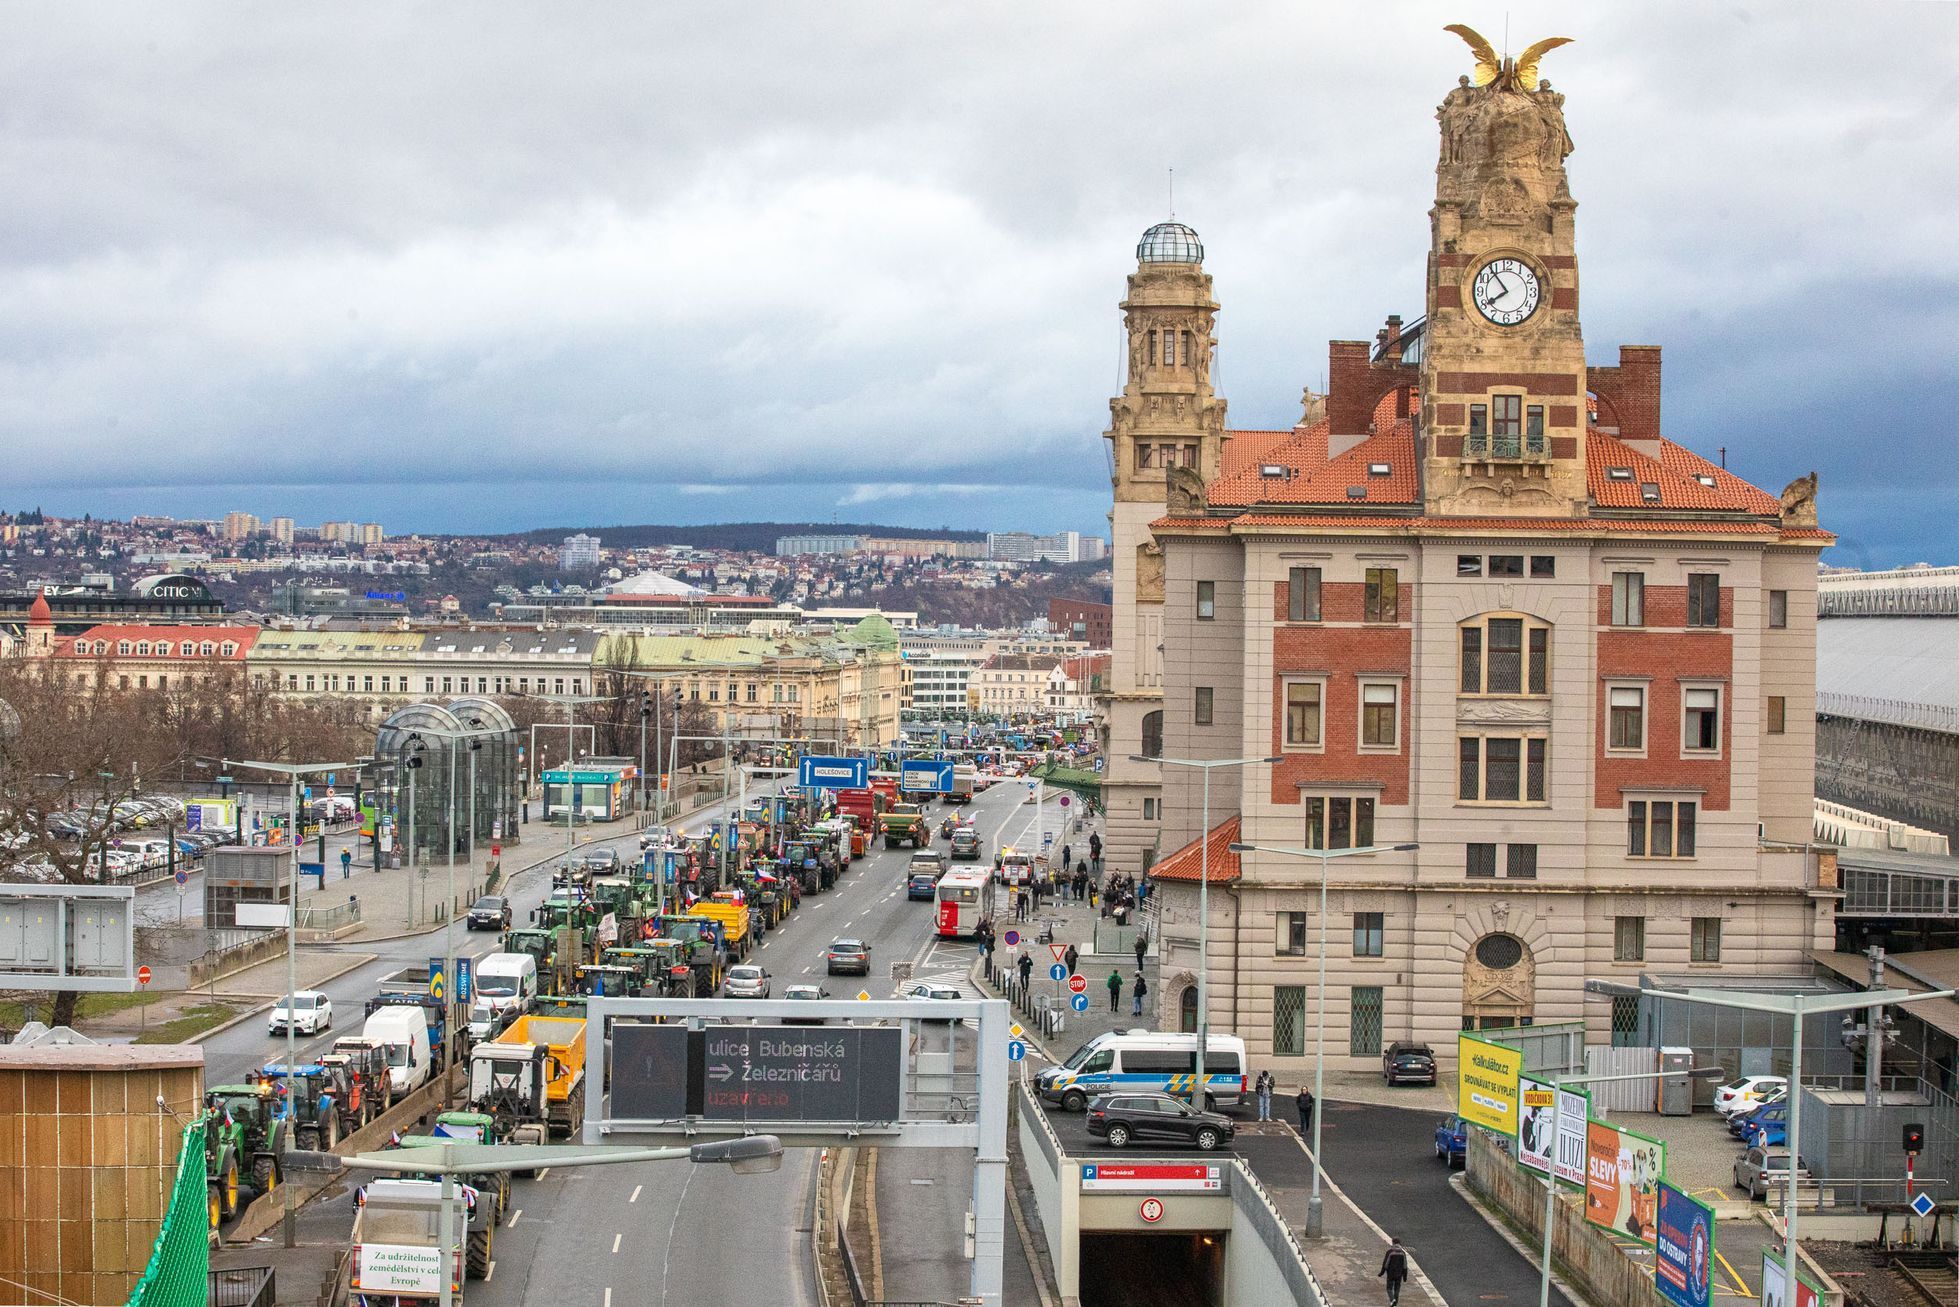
x=1142 y=947
x=1141 y=988
x=1071 y=957
x=1026 y=968
x=1305 y=1104
x=1394 y=1266
x=1115 y=989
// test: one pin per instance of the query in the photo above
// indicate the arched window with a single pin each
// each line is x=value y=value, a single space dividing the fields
x=1504 y=653
x=1153 y=734
x=1187 y=1010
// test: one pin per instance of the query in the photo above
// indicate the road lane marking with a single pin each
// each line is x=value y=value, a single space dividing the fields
x=608 y=1296
x=635 y=1197
x=615 y=1242
x=490 y=1272
x=513 y=1218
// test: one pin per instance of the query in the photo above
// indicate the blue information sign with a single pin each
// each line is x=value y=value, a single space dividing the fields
x=1057 y=972
x=1922 y=1203
x=1683 y=1251
x=813 y=773
x=1079 y=1002
x=931 y=775
x=438 y=985
x=463 y=981
x=1016 y=1050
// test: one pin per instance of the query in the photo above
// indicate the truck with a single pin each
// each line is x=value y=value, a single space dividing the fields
x=903 y=822
x=965 y=780
x=534 y=1071
x=398 y=1241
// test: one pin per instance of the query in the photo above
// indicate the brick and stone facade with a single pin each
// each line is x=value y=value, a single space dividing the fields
x=1477 y=602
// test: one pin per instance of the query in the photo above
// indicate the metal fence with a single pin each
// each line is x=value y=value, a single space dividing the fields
x=180 y=1260
x=244 y=1286
x=330 y=919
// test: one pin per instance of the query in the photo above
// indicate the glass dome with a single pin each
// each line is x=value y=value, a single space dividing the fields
x=1170 y=242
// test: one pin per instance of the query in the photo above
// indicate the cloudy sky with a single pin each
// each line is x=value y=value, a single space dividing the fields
x=483 y=266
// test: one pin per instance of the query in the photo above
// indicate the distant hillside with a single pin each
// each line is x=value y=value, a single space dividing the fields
x=756 y=537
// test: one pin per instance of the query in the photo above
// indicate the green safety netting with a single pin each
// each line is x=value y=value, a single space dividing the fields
x=179 y=1273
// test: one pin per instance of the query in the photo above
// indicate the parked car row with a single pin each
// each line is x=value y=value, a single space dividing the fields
x=1757 y=1111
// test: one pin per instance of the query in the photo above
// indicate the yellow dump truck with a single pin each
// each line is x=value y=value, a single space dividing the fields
x=532 y=1073
x=734 y=924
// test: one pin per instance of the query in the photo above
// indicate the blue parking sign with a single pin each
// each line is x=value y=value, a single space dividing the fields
x=1057 y=972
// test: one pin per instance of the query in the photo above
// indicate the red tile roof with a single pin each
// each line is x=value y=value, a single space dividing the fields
x=1187 y=863
x=241 y=638
x=1243 y=449
x=1507 y=525
x=1315 y=479
x=1675 y=472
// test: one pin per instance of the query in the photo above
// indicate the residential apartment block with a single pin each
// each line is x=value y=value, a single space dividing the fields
x=1476 y=602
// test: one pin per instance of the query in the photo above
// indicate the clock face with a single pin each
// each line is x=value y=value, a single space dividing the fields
x=1506 y=291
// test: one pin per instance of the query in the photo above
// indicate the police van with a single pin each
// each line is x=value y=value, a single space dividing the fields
x=1141 y=1061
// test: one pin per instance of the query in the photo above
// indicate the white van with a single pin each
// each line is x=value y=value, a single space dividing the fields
x=1148 y=1062
x=404 y=1032
x=505 y=980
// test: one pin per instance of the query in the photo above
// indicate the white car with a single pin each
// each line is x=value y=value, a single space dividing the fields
x=1740 y=1095
x=311 y=1013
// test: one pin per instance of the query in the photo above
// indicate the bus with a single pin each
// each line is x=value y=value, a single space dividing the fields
x=964 y=899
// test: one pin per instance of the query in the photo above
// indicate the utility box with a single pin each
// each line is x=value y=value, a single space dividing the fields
x=67 y=937
x=1676 y=1090
x=236 y=874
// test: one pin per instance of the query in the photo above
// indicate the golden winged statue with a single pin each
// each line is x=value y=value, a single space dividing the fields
x=1492 y=67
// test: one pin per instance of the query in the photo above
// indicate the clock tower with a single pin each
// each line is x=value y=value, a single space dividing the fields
x=1503 y=381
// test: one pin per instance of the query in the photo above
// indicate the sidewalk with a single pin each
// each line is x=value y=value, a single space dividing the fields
x=210 y=1008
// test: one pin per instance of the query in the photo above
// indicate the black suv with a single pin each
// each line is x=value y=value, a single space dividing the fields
x=491 y=912
x=1412 y=1064
x=1156 y=1118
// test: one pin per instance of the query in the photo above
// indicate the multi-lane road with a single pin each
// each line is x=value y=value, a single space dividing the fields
x=673 y=1233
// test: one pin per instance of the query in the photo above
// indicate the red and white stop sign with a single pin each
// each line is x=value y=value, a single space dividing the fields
x=142 y=975
x=1151 y=1210
x=1077 y=984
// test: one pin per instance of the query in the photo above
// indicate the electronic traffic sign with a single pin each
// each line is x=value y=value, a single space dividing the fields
x=756 y=1073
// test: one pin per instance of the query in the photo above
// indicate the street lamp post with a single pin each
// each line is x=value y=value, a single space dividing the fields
x=1795 y=1007
x=292 y=950
x=1315 y=1212
x=1200 y=1085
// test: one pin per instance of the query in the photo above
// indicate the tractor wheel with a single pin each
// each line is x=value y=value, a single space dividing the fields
x=309 y=1138
x=330 y=1132
x=228 y=1189
x=216 y=1199
x=477 y=1263
x=265 y=1175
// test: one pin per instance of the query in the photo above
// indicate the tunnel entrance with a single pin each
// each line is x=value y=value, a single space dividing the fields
x=1184 y=1269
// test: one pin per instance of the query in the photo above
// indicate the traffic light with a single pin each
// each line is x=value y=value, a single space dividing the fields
x=1915 y=1138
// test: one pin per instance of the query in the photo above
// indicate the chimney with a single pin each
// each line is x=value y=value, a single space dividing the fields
x=1391 y=340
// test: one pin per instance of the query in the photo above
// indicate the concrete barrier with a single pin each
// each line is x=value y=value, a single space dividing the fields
x=1604 y=1274
x=218 y=965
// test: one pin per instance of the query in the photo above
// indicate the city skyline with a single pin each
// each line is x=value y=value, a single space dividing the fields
x=824 y=298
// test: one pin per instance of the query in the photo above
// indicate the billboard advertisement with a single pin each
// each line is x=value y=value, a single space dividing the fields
x=1775 y=1289
x=1551 y=1129
x=1683 y=1255
x=1486 y=1084
x=1623 y=1171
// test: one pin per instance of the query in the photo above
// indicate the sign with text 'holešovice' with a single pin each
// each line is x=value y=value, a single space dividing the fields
x=816 y=773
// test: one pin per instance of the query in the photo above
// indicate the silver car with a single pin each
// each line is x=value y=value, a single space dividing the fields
x=747 y=981
x=1758 y=1168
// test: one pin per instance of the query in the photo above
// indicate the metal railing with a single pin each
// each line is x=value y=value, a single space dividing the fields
x=1891 y=712
x=333 y=918
x=245 y=1286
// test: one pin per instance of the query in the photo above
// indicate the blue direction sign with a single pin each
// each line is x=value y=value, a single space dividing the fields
x=1079 y=1002
x=1016 y=1050
x=1922 y=1203
x=814 y=773
x=931 y=775
x=1057 y=972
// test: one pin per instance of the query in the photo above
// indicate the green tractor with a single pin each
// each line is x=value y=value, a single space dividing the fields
x=224 y=1144
x=492 y=1187
x=265 y=1129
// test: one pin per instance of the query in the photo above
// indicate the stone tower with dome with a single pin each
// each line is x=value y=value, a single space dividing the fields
x=1166 y=436
x=38 y=639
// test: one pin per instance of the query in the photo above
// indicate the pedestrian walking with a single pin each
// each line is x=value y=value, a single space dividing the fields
x=1142 y=947
x=346 y=863
x=1115 y=989
x=1070 y=958
x=1142 y=987
x=1095 y=845
x=1020 y=905
x=1394 y=1266
x=1026 y=969
x=1304 y=1100
x=1066 y=861
x=1264 y=1086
